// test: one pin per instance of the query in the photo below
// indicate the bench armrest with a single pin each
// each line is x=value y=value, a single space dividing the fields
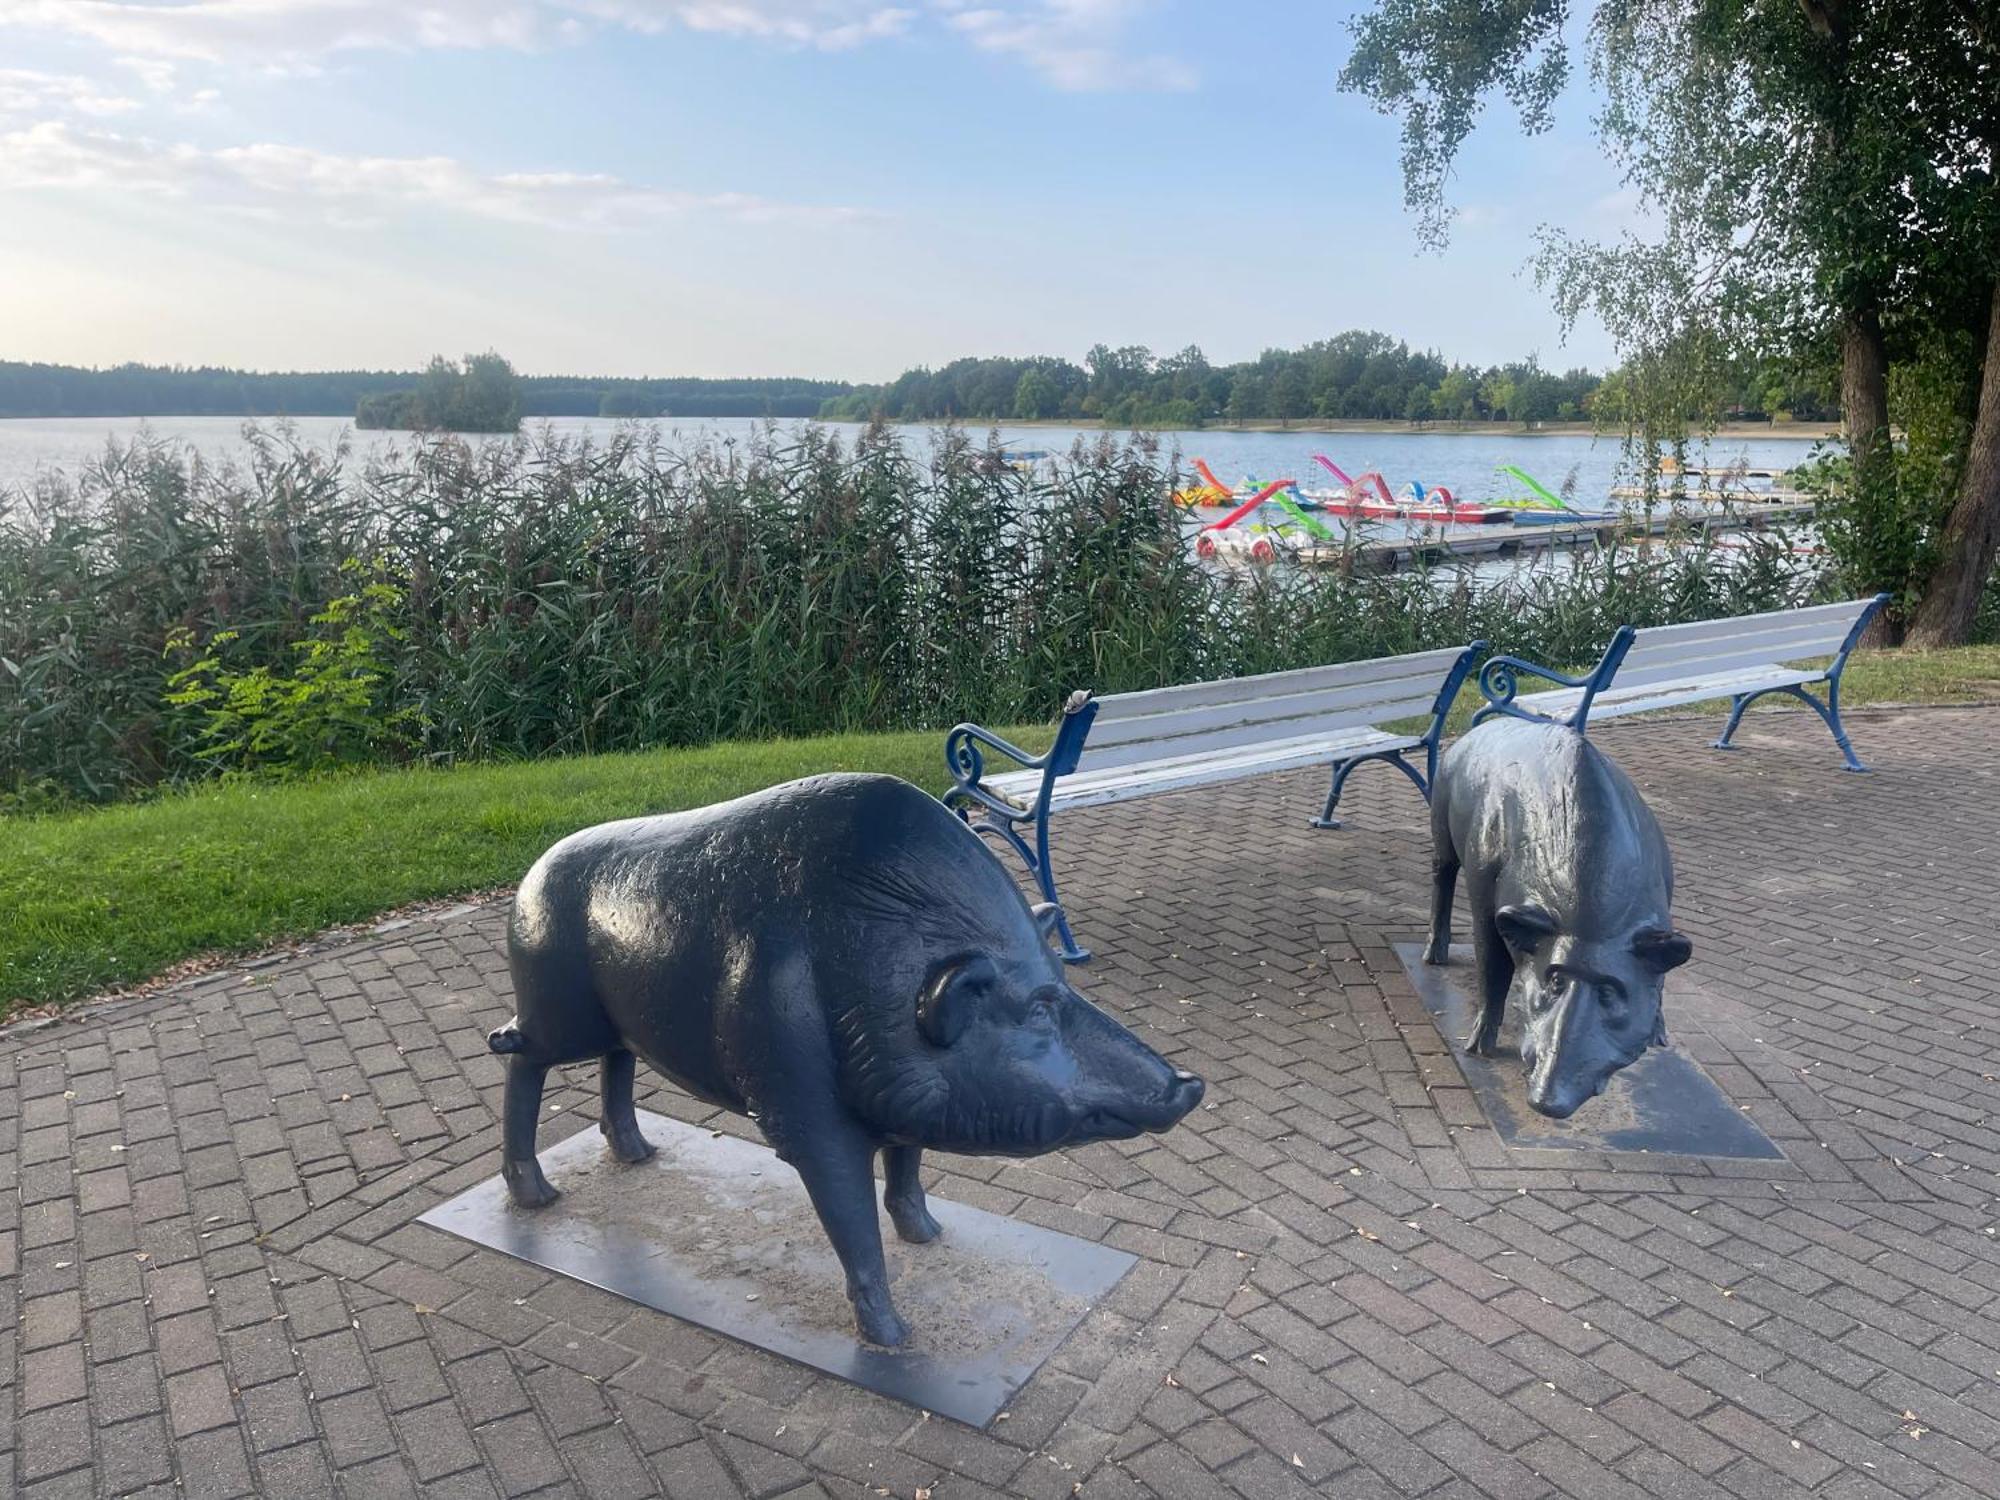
x=1500 y=683
x=965 y=757
x=1854 y=634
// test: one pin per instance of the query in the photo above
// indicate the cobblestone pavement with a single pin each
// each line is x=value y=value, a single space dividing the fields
x=213 y=1284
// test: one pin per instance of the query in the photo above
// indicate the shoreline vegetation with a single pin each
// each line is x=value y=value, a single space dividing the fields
x=165 y=622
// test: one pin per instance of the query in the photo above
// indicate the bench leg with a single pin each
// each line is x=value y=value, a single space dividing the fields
x=1742 y=702
x=1829 y=713
x=1045 y=878
x=1342 y=769
x=1037 y=861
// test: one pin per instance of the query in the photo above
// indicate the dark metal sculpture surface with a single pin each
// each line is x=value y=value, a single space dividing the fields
x=841 y=960
x=1569 y=881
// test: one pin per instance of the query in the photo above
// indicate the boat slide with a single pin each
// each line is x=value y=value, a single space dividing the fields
x=1546 y=508
x=1416 y=503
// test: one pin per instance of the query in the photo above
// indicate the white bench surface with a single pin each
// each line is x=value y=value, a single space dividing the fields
x=1171 y=738
x=1671 y=665
x=1119 y=783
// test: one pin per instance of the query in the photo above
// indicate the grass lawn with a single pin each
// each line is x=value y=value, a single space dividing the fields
x=111 y=897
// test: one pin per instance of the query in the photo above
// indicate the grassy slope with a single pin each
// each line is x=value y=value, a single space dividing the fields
x=110 y=897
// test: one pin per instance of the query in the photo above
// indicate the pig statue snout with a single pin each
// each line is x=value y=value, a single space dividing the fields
x=1017 y=1064
x=1588 y=1015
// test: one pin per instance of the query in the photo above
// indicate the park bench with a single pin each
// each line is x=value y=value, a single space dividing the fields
x=1742 y=659
x=1129 y=745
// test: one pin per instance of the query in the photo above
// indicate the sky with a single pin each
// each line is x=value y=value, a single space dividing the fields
x=826 y=188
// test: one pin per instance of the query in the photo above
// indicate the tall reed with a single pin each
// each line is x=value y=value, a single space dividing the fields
x=562 y=596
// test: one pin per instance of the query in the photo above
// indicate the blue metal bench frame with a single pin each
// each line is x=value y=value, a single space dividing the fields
x=1432 y=741
x=1829 y=711
x=1500 y=684
x=965 y=759
x=965 y=750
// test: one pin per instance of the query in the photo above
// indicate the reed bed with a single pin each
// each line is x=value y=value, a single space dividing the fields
x=541 y=596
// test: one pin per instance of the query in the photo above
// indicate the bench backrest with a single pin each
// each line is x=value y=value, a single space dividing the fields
x=1204 y=717
x=1665 y=653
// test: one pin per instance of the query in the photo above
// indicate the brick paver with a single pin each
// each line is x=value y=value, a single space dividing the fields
x=213 y=1285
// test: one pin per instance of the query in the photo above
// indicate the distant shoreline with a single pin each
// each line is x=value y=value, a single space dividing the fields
x=1783 y=431
x=1769 y=431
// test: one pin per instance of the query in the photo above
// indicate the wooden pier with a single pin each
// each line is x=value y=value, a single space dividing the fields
x=1502 y=542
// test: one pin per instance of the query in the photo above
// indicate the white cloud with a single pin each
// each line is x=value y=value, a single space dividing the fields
x=1075 y=44
x=23 y=91
x=349 y=190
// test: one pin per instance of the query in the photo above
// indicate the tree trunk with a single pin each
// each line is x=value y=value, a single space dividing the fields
x=1864 y=410
x=1951 y=601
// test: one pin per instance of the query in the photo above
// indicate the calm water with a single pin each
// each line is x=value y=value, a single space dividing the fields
x=1580 y=466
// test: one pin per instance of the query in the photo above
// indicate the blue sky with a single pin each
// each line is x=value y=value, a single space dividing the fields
x=738 y=187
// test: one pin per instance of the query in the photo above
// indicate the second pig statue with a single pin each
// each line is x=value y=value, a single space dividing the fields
x=842 y=960
x=1569 y=881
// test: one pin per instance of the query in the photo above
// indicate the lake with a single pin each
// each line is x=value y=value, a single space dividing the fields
x=1584 y=466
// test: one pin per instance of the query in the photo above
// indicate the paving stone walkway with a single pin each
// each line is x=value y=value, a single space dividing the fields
x=213 y=1285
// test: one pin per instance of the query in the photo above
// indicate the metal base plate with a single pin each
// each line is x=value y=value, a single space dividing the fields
x=1664 y=1102
x=718 y=1231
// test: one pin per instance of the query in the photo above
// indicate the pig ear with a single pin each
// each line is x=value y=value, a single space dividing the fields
x=1524 y=927
x=1662 y=948
x=948 y=1002
x=1045 y=914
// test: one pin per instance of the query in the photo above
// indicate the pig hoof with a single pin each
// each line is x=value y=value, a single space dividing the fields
x=914 y=1223
x=881 y=1323
x=1436 y=955
x=1483 y=1043
x=629 y=1146
x=528 y=1187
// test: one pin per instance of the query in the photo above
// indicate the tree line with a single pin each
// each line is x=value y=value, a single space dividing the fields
x=1359 y=374
x=135 y=390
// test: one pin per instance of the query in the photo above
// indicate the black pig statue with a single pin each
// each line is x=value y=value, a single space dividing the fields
x=1570 y=880
x=842 y=960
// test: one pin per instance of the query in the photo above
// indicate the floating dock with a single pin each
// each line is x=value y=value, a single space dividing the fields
x=1499 y=543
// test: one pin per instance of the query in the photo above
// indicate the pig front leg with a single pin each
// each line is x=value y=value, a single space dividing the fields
x=620 y=1120
x=1444 y=883
x=1495 y=968
x=903 y=1195
x=837 y=1164
x=521 y=1112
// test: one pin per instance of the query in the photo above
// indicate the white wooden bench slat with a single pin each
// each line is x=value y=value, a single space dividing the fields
x=1120 y=706
x=1773 y=637
x=1086 y=789
x=1259 y=732
x=1620 y=699
x=1838 y=618
x=1359 y=703
x=1654 y=670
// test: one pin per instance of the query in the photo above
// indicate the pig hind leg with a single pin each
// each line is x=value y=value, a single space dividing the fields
x=620 y=1120
x=1495 y=965
x=521 y=1112
x=904 y=1195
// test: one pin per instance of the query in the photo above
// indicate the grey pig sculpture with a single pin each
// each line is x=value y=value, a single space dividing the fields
x=1570 y=882
x=842 y=960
